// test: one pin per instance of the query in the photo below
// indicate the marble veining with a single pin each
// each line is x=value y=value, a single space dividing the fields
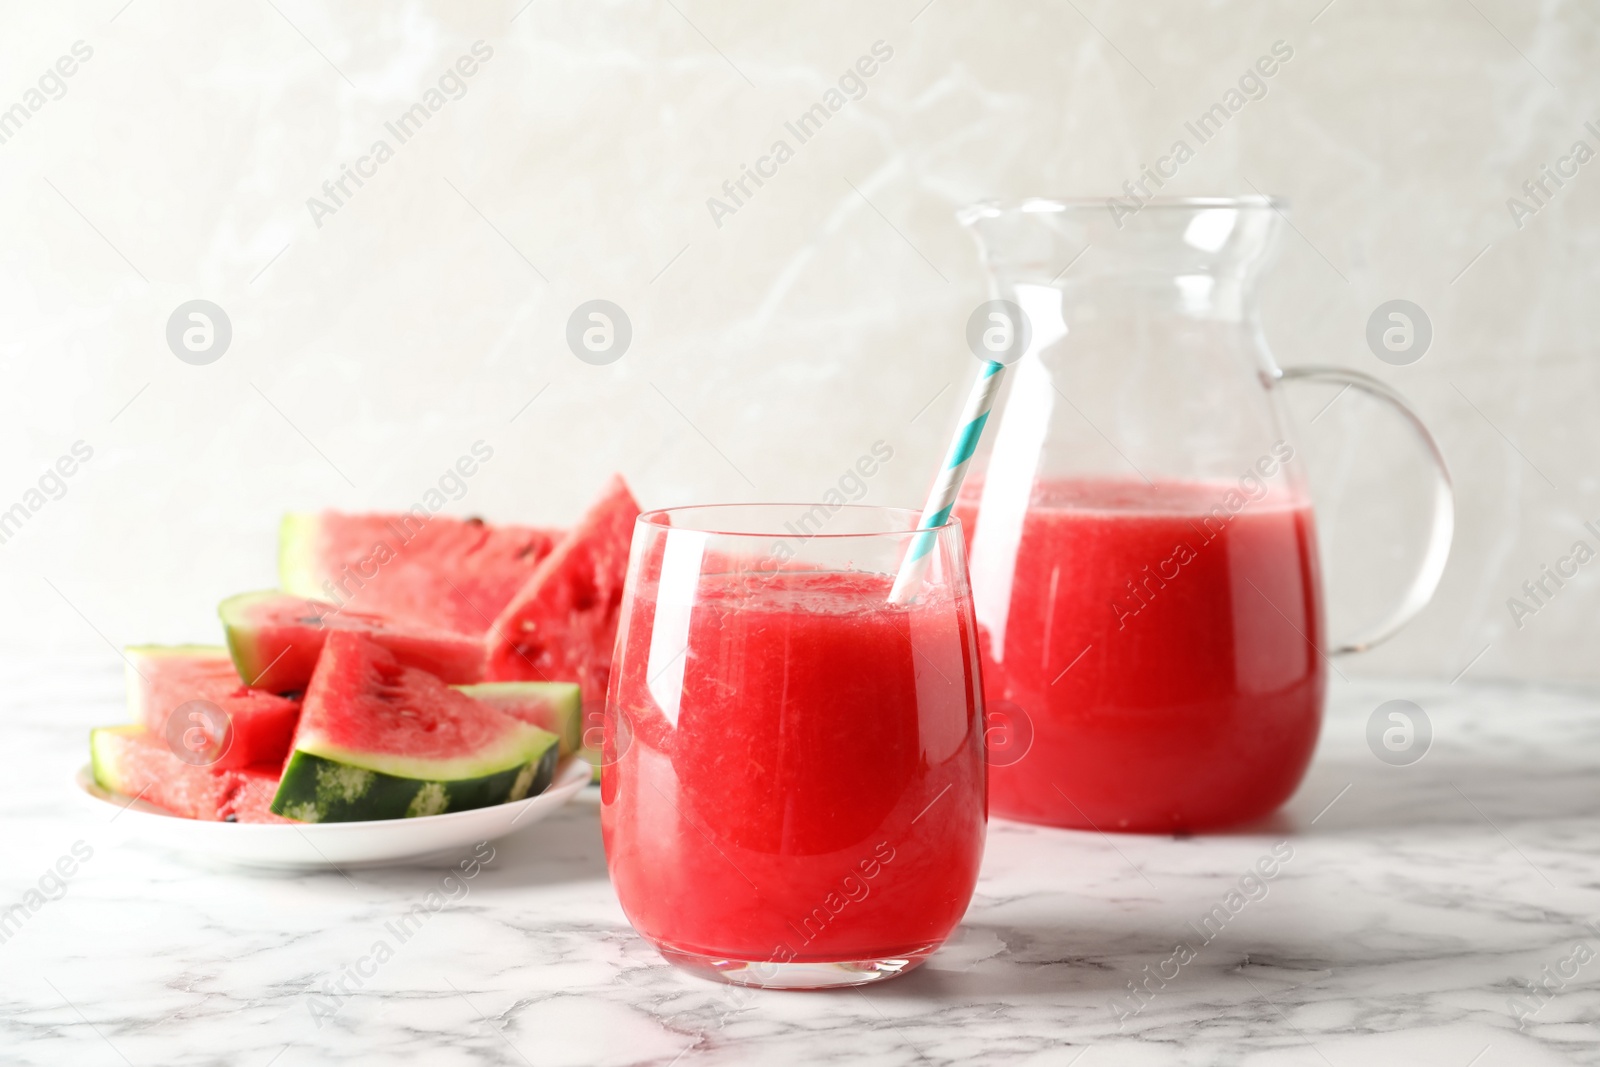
x=1408 y=910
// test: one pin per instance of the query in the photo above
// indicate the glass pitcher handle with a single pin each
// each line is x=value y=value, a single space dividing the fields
x=1420 y=589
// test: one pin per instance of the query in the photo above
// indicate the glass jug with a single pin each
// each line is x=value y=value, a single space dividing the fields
x=1142 y=543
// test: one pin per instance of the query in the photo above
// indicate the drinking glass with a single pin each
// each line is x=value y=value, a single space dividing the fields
x=793 y=784
x=1144 y=556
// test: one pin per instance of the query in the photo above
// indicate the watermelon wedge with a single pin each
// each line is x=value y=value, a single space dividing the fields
x=553 y=706
x=560 y=626
x=251 y=799
x=275 y=640
x=161 y=680
x=138 y=764
x=447 y=573
x=381 y=740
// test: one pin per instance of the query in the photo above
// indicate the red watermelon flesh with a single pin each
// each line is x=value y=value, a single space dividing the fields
x=138 y=764
x=366 y=707
x=251 y=797
x=561 y=626
x=161 y=680
x=448 y=573
x=275 y=640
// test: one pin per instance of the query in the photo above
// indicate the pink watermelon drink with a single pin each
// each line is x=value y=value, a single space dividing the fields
x=1161 y=652
x=806 y=784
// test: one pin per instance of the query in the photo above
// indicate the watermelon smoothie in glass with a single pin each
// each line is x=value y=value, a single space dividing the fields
x=1143 y=549
x=793 y=793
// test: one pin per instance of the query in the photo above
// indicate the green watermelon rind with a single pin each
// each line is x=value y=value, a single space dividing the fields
x=298 y=534
x=520 y=743
x=144 y=652
x=564 y=698
x=318 y=789
x=102 y=755
x=240 y=632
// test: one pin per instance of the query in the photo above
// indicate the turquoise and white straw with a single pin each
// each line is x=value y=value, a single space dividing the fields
x=942 y=497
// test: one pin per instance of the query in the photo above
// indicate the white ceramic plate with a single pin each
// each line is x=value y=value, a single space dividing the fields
x=329 y=845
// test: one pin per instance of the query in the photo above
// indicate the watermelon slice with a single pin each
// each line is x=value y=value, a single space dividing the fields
x=138 y=764
x=251 y=800
x=553 y=706
x=381 y=740
x=275 y=640
x=258 y=725
x=560 y=627
x=453 y=574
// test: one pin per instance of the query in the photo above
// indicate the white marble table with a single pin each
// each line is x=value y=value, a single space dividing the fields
x=1399 y=932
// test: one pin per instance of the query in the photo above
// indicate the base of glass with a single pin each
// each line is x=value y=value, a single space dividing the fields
x=795 y=974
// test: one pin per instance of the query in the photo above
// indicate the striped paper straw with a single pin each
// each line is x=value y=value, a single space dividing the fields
x=942 y=498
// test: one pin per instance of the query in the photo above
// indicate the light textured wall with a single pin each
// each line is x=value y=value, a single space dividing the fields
x=770 y=351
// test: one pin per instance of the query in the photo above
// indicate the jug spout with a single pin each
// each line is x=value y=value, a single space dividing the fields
x=1197 y=258
x=1146 y=348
